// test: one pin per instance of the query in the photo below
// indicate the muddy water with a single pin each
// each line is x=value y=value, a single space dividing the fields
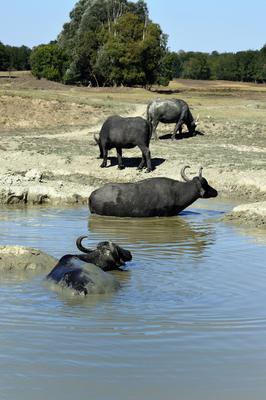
x=188 y=323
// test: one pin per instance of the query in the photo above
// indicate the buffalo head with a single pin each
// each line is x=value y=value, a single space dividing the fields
x=205 y=190
x=107 y=255
x=192 y=126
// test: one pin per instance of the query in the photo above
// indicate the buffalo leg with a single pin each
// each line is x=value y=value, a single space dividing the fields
x=101 y=151
x=154 y=127
x=104 y=163
x=119 y=158
x=178 y=127
x=146 y=158
x=142 y=163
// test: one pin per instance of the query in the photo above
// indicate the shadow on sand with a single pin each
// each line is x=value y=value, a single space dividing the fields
x=183 y=135
x=133 y=162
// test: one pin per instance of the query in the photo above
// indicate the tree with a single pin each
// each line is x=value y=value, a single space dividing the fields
x=213 y=62
x=19 y=57
x=128 y=57
x=171 y=65
x=245 y=61
x=154 y=50
x=227 y=68
x=112 y=42
x=196 y=67
x=16 y=58
x=48 y=61
x=4 y=57
x=260 y=66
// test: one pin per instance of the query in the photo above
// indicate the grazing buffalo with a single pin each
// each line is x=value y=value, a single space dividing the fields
x=170 y=111
x=125 y=133
x=150 y=197
x=85 y=272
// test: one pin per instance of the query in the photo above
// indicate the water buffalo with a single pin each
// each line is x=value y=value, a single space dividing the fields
x=169 y=111
x=125 y=133
x=150 y=197
x=85 y=273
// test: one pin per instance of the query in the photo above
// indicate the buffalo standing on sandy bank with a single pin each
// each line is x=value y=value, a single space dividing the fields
x=153 y=197
x=85 y=273
x=170 y=111
x=125 y=133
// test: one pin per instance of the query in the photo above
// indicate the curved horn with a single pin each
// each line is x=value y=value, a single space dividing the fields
x=113 y=249
x=200 y=172
x=80 y=246
x=196 y=121
x=182 y=173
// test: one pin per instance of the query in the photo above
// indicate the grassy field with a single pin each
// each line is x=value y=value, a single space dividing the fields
x=221 y=101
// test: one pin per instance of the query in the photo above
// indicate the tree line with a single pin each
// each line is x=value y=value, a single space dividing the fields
x=114 y=42
x=14 y=58
x=245 y=66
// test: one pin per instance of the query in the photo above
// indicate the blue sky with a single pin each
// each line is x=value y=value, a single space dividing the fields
x=195 y=25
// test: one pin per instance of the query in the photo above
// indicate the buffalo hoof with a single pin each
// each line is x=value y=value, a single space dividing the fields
x=121 y=167
x=148 y=170
x=102 y=165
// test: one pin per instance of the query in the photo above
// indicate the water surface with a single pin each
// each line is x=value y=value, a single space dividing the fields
x=188 y=323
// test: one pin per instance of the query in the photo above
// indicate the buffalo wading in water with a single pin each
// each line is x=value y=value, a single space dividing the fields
x=153 y=197
x=125 y=133
x=171 y=111
x=85 y=273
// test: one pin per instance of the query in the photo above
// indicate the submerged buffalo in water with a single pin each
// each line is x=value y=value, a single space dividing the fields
x=170 y=111
x=153 y=197
x=85 y=272
x=125 y=133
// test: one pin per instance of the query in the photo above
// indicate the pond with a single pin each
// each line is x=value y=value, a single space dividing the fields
x=188 y=322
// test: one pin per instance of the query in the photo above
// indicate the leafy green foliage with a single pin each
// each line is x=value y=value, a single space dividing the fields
x=171 y=65
x=260 y=66
x=246 y=66
x=4 y=57
x=49 y=61
x=112 y=42
x=196 y=67
x=16 y=58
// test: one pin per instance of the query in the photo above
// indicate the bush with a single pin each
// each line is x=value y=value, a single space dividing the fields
x=49 y=61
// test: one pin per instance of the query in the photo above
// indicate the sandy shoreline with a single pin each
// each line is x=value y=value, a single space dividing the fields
x=35 y=186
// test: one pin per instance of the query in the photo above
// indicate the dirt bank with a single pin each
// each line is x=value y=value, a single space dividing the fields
x=251 y=214
x=48 y=154
x=23 y=261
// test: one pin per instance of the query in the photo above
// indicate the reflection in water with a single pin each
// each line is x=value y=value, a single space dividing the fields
x=189 y=321
x=175 y=233
x=18 y=276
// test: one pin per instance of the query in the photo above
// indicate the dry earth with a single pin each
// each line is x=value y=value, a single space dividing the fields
x=48 y=154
